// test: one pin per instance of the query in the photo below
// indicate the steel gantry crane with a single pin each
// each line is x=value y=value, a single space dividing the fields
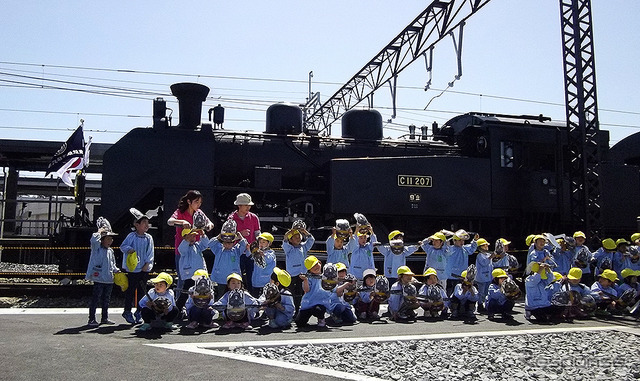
x=443 y=18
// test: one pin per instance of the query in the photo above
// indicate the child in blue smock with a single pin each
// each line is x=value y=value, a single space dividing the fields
x=395 y=254
x=433 y=308
x=262 y=275
x=537 y=302
x=191 y=259
x=497 y=302
x=296 y=244
x=227 y=248
x=137 y=259
x=437 y=250
x=200 y=301
x=315 y=300
x=336 y=249
x=605 y=293
x=367 y=307
x=458 y=260
x=280 y=309
x=563 y=258
x=159 y=304
x=400 y=307
x=484 y=267
x=100 y=270
x=604 y=256
x=540 y=253
x=463 y=300
x=242 y=316
x=361 y=247
x=582 y=257
x=340 y=310
x=630 y=281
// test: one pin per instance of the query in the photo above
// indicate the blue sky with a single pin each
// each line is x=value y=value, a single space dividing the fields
x=255 y=53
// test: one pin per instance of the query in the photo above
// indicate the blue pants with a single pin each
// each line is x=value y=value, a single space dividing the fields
x=281 y=319
x=344 y=312
x=494 y=307
x=483 y=291
x=102 y=294
x=201 y=315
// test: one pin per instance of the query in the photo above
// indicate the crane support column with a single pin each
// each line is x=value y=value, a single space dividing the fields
x=582 y=115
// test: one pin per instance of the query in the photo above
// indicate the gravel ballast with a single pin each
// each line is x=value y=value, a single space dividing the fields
x=602 y=355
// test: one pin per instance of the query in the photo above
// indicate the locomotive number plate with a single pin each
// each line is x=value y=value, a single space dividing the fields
x=415 y=181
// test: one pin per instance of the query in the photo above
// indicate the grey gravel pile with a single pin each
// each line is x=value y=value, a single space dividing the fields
x=22 y=268
x=605 y=355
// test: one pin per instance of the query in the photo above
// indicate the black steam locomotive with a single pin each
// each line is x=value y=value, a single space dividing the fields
x=496 y=174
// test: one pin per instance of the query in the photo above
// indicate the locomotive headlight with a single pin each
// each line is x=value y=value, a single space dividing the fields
x=545 y=181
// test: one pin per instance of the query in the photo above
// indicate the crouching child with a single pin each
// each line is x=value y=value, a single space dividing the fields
x=277 y=299
x=497 y=302
x=238 y=307
x=434 y=299
x=464 y=298
x=201 y=297
x=159 y=304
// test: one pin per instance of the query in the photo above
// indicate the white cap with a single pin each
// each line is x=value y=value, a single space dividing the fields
x=368 y=272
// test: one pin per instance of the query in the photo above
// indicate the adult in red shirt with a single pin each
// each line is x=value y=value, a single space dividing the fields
x=248 y=225
x=182 y=218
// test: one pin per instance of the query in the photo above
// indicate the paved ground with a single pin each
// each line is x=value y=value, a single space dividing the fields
x=56 y=344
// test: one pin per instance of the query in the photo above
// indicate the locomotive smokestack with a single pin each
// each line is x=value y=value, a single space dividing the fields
x=190 y=97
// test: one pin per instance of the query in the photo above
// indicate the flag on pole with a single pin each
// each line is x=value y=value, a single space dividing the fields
x=72 y=156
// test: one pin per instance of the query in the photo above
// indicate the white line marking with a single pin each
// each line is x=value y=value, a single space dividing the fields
x=54 y=311
x=263 y=361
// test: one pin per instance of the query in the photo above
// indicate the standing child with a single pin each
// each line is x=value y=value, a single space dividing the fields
x=137 y=259
x=582 y=257
x=315 y=300
x=191 y=259
x=238 y=306
x=464 y=298
x=361 y=247
x=227 y=248
x=497 y=302
x=395 y=254
x=540 y=253
x=201 y=298
x=264 y=259
x=159 y=303
x=296 y=244
x=438 y=252
x=336 y=250
x=279 y=306
x=484 y=266
x=458 y=260
x=604 y=256
x=563 y=257
x=101 y=269
x=402 y=305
